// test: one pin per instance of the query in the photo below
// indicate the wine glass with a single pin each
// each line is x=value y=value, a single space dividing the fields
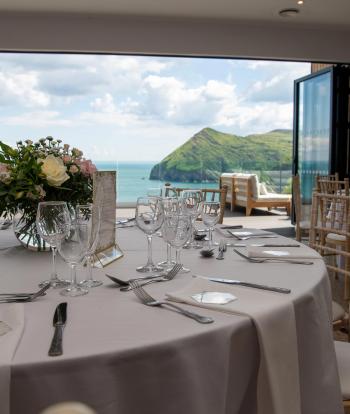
x=210 y=217
x=170 y=205
x=52 y=221
x=73 y=248
x=176 y=231
x=90 y=215
x=149 y=218
x=192 y=202
x=154 y=192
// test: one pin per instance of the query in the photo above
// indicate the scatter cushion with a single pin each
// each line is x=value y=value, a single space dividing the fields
x=263 y=189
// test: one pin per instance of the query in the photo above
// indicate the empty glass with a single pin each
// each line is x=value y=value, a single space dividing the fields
x=149 y=218
x=73 y=248
x=177 y=230
x=171 y=205
x=89 y=214
x=210 y=217
x=192 y=202
x=52 y=221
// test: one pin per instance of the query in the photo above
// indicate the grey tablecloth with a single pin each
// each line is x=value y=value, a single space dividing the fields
x=123 y=357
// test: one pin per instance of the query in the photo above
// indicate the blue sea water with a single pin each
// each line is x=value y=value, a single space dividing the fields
x=133 y=179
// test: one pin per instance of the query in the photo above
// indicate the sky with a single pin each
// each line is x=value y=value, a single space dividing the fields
x=140 y=108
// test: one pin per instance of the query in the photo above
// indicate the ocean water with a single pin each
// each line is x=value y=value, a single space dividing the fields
x=133 y=179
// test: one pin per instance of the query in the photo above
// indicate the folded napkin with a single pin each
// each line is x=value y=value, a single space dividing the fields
x=274 y=319
x=11 y=328
x=282 y=253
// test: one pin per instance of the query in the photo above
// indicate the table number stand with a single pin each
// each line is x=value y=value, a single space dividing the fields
x=104 y=195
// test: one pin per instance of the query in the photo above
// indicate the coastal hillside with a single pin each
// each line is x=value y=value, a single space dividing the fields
x=209 y=153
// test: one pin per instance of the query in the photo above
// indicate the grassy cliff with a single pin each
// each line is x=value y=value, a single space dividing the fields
x=209 y=153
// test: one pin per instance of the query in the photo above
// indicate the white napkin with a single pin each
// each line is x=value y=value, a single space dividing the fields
x=274 y=319
x=282 y=253
x=11 y=326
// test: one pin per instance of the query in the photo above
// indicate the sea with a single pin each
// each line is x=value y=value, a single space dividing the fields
x=133 y=180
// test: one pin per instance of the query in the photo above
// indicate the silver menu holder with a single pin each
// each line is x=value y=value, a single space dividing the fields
x=105 y=195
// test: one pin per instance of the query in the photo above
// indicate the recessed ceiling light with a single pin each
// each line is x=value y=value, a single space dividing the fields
x=300 y=2
x=288 y=12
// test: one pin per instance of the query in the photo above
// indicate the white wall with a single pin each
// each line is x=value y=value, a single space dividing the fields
x=20 y=32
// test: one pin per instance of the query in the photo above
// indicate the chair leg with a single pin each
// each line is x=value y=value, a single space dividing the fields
x=248 y=211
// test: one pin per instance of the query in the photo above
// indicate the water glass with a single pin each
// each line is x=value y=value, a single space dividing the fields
x=90 y=215
x=177 y=230
x=210 y=217
x=149 y=218
x=52 y=222
x=73 y=248
x=171 y=205
x=192 y=203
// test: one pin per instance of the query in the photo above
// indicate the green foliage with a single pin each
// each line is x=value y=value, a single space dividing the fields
x=209 y=153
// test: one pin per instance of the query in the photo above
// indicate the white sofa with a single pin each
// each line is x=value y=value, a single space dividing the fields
x=244 y=190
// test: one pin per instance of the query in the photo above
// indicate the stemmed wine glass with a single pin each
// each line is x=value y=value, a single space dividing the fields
x=73 y=248
x=90 y=214
x=210 y=217
x=52 y=221
x=176 y=231
x=171 y=205
x=192 y=203
x=149 y=218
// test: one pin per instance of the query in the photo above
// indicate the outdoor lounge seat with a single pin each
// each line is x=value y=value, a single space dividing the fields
x=244 y=190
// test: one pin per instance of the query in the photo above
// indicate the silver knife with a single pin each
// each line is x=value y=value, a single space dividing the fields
x=264 y=245
x=247 y=284
x=59 y=322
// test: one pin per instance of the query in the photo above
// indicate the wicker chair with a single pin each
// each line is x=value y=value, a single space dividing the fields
x=331 y=215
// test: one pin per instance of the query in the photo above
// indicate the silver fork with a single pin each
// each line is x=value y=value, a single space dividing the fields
x=272 y=259
x=222 y=249
x=148 y=300
x=23 y=298
x=166 y=278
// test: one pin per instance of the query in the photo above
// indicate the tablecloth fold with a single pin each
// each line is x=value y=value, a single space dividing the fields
x=274 y=319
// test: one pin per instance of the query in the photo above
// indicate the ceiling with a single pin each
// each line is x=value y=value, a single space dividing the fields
x=313 y=12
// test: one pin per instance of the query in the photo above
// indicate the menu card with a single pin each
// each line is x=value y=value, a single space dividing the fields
x=105 y=196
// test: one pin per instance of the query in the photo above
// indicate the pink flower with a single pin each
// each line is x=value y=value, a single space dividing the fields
x=73 y=169
x=66 y=159
x=87 y=167
x=3 y=168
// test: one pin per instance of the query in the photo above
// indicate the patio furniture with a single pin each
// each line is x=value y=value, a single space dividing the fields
x=211 y=194
x=244 y=190
x=302 y=227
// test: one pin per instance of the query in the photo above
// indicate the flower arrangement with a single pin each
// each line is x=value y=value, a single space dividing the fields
x=42 y=171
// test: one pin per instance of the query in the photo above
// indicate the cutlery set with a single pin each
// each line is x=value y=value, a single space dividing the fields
x=273 y=259
x=22 y=297
x=136 y=285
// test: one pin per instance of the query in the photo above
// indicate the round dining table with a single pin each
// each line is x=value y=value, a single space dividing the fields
x=122 y=357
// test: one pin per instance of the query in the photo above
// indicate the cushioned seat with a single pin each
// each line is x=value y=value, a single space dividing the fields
x=342 y=350
x=333 y=237
x=338 y=312
x=273 y=197
x=305 y=224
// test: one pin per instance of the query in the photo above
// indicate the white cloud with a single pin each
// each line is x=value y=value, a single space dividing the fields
x=21 y=88
x=36 y=119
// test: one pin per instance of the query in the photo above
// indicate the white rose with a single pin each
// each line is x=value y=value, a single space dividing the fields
x=54 y=170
